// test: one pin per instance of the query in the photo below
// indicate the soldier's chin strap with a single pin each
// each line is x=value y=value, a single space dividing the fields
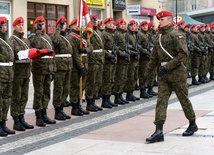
x=164 y=48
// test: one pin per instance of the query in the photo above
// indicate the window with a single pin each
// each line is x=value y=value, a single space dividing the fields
x=98 y=12
x=49 y=11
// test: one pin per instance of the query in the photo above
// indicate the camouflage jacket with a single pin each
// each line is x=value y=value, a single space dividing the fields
x=21 y=67
x=108 y=39
x=197 y=50
x=173 y=42
x=143 y=41
x=41 y=40
x=132 y=40
x=97 y=43
x=6 y=59
x=63 y=51
x=121 y=43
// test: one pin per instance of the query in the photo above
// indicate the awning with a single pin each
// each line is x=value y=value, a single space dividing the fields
x=188 y=19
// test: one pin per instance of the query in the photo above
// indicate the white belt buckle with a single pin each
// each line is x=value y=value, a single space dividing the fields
x=163 y=63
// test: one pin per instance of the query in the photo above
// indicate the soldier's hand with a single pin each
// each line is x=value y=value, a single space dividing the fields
x=162 y=71
x=52 y=76
x=81 y=71
x=82 y=50
x=39 y=25
x=61 y=23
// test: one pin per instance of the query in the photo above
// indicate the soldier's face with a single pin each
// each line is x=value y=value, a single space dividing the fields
x=132 y=27
x=144 y=27
x=19 y=27
x=195 y=29
x=202 y=29
x=123 y=26
x=64 y=26
x=165 y=21
x=4 y=27
x=110 y=25
x=102 y=26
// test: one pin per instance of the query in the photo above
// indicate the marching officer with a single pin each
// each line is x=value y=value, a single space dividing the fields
x=21 y=77
x=6 y=76
x=64 y=64
x=43 y=69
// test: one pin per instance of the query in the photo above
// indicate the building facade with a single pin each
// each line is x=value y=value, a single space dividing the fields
x=52 y=9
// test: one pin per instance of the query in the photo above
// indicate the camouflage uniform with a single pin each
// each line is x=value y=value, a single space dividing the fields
x=176 y=76
x=209 y=40
x=6 y=75
x=21 y=75
x=212 y=61
x=64 y=64
x=95 y=67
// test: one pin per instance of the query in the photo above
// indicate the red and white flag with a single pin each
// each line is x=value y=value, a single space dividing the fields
x=84 y=17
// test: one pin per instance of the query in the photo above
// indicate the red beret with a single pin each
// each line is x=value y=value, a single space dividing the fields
x=119 y=21
x=207 y=25
x=181 y=22
x=100 y=22
x=3 y=20
x=143 y=22
x=211 y=25
x=74 y=21
x=186 y=25
x=18 y=20
x=163 y=14
x=108 y=20
x=193 y=25
x=150 y=24
x=131 y=22
x=202 y=25
x=93 y=15
x=61 y=18
x=40 y=18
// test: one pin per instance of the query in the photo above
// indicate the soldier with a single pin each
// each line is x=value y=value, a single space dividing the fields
x=101 y=25
x=204 y=51
x=6 y=76
x=196 y=55
x=95 y=67
x=123 y=59
x=110 y=62
x=134 y=57
x=64 y=64
x=79 y=67
x=169 y=54
x=21 y=77
x=43 y=72
x=212 y=55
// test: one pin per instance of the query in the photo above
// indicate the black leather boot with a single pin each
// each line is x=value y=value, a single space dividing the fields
x=4 y=127
x=129 y=96
x=110 y=102
x=206 y=79
x=85 y=112
x=157 y=136
x=46 y=118
x=201 y=79
x=90 y=107
x=136 y=98
x=105 y=103
x=2 y=132
x=192 y=128
x=117 y=99
x=75 y=110
x=96 y=106
x=17 y=124
x=39 y=121
x=24 y=123
x=121 y=97
x=211 y=75
x=58 y=114
x=194 y=81
x=151 y=91
x=143 y=94
x=63 y=113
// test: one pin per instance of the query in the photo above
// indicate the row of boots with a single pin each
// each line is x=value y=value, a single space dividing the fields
x=20 y=124
x=158 y=135
x=202 y=79
x=150 y=93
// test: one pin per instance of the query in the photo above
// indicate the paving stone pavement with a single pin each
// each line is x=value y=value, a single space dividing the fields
x=121 y=130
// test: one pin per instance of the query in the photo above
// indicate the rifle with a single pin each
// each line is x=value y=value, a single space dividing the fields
x=190 y=44
x=137 y=45
x=202 y=45
x=127 y=46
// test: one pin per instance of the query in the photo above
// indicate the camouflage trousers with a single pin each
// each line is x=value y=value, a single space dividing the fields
x=74 y=92
x=195 y=65
x=212 y=63
x=85 y=63
x=99 y=81
x=41 y=84
x=61 y=87
x=208 y=64
x=164 y=93
x=93 y=80
x=5 y=99
x=19 y=97
x=120 y=77
x=202 y=65
x=108 y=78
x=130 y=83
